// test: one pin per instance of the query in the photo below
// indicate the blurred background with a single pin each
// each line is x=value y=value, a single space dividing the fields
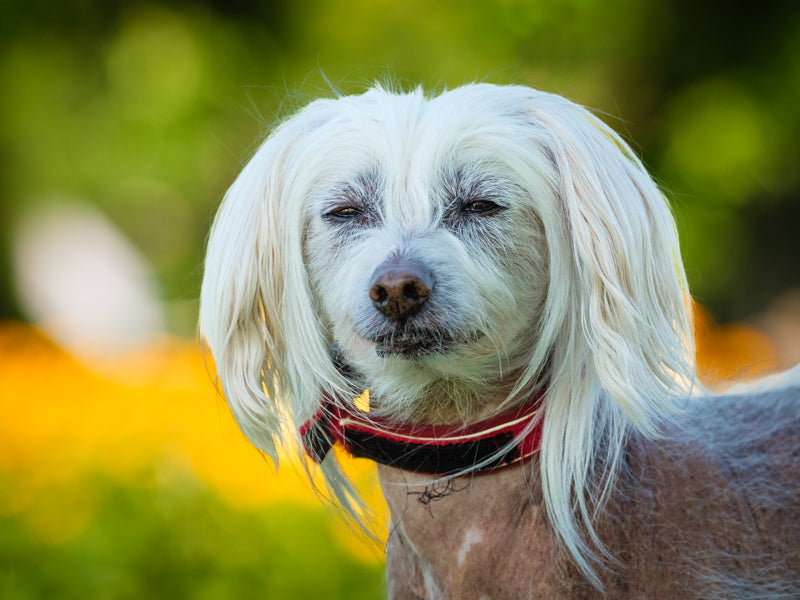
x=121 y=126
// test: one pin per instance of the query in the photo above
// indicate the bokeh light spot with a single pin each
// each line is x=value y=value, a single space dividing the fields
x=718 y=141
x=154 y=63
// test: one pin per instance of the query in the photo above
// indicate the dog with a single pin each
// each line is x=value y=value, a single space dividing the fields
x=498 y=271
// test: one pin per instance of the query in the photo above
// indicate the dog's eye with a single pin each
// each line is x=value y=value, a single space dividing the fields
x=344 y=212
x=481 y=206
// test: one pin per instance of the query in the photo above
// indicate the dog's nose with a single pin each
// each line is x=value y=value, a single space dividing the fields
x=399 y=289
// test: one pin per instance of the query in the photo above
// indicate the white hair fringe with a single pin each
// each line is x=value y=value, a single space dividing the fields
x=617 y=338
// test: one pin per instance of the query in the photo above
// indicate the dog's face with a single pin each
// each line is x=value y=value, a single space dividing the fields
x=426 y=253
x=454 y=252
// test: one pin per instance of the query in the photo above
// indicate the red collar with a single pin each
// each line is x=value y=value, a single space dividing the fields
x=506 y=439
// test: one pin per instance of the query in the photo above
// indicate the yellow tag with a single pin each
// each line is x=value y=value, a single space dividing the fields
x=362 y=402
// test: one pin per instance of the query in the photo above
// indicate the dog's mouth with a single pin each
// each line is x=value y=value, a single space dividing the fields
x=419 y=344
x=411 y=346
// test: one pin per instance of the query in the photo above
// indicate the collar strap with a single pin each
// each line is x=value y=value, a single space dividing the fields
x=500 y=441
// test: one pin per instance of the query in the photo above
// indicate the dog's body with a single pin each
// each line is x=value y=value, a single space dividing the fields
x=709 y=511
x=458 y=256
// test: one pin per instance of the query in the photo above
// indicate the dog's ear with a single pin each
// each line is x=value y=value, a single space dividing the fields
x=617 y=317
x=628 y=310
x=256 y=310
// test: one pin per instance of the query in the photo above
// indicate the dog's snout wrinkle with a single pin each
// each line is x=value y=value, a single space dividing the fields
x=399 y=289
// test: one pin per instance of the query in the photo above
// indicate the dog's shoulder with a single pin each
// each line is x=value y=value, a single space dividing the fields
x=726 y=450
x=718 y=492
x=761 y=418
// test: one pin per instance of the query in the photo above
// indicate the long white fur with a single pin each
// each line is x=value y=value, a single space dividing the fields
x=593 y=293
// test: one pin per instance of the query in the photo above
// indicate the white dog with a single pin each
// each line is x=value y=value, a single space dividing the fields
x=497 y=269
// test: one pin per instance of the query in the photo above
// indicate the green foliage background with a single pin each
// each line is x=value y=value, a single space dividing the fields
x=147 y=110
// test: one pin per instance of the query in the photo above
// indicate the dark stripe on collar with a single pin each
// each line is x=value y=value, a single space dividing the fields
x=503 y=440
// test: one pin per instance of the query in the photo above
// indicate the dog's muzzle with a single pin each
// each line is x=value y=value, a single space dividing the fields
x=400 y=288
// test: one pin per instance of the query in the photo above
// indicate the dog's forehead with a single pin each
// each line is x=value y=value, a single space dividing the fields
x=402 y=150
x=414 y=126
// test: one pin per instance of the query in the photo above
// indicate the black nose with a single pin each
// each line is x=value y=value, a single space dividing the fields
x=400 y=288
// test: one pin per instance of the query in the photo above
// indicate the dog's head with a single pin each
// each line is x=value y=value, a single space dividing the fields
x=457 y=251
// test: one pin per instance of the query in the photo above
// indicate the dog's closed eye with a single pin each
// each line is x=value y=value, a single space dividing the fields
x=344 y=212
x=481 y=206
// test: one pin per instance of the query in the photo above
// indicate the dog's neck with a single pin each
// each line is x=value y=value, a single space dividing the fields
x=445 y=401
x=498 y=441
x=455 y=536
x=501 y=441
